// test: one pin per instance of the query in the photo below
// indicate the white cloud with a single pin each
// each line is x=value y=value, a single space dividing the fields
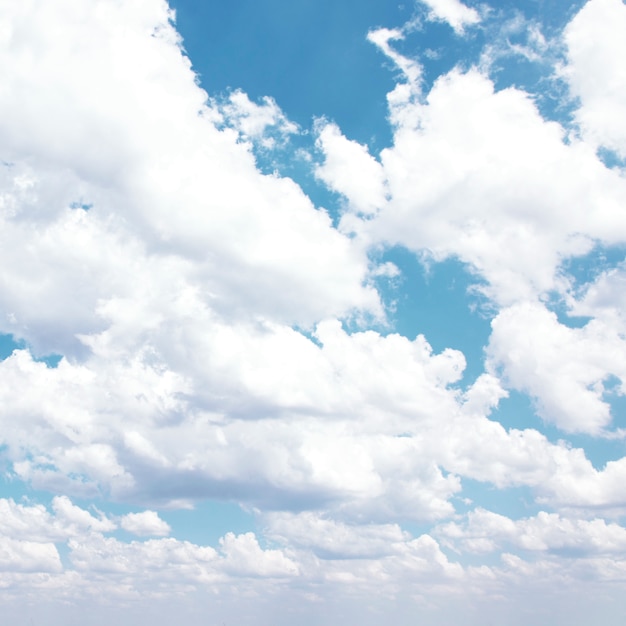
x=25 y=522
x=564 y=369
x=454 y=12
x=164 y=559
x=76 y=519
x=33 y=522
x=596 y=73
x=351 y=170
x=479 y=175
x=375 y=561
x=244 y=557
x=254 y=120
x=28 y=556
x=359 y=430
x=410 y=68
x=331 y=539
x=123 y=125
x=145 y=524
x=546 y=532
x=136 y=429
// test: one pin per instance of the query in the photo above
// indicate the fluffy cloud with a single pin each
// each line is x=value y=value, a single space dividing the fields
x=126 y=129
x=546 y=532
x=153 y=432
x=595 y=46
x=479 y=175
x=147 y=523
x=453 y=12
x=244 y=557
x=28 y=556
x=253 y=121
x=351 y=170
x=564 y=368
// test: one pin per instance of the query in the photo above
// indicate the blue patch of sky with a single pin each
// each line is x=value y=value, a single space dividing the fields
x=614 y=396
x=558 y=305
x=81 y=204
x=311 y=56
x=553 y=15
x=611 y=159
x=51 y=360
x=8 y=344
x=12 y=487
x=9 y=487
x=582 y=271
x=204 y=525
x=436 y=301
x=537 y=77
x=585 y=269
x=504 y=33
x=64 y=554
x=437 y=49
x=296 y=159
x=514 y=502
x=209 y=521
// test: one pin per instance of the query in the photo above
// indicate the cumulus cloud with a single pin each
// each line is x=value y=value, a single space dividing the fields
x=164 y=165
x=145 y=524
x=484 y=530
x=331 y=539
x=564 y=368
x=478 y=174
x=351 y=170
x=595 y=48
x=28 y=556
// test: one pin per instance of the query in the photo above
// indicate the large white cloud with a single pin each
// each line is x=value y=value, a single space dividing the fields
x=115 y=119
x=478 y=174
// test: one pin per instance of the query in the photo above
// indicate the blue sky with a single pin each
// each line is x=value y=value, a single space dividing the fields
x=312 y=312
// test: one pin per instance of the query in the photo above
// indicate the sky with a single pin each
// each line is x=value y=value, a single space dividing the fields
x=312 y=312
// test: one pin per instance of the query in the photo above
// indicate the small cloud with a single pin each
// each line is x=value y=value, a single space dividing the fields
x=259 y=122
x=453 y=12
x=386 y=270
x=145 y=524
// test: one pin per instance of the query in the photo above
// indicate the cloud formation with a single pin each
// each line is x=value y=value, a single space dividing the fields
x=223 y=338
